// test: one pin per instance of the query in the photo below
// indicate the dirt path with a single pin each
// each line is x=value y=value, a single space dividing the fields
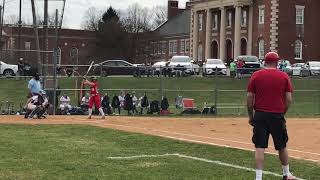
x=304 y=134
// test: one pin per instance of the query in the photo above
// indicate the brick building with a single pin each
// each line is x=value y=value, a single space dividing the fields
x=173 y=36
x=76 y=46
x=227 y=28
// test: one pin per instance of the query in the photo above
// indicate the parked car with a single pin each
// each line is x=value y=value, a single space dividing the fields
x=183 y=63
x=210 y=66
x=117 y=67
x=251 y=64
x=314 y=68
x=159 y=66
x=285 y=66
x=8 y=70
x=299 y=69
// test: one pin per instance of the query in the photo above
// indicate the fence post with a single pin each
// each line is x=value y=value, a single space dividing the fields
x=161 y=84
x=216 y=90
x=101 y=75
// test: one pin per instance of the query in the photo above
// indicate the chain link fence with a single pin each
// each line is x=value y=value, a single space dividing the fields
x=221 y=89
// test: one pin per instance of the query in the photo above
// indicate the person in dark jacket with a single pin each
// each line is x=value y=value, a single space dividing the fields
x=116 y=104
x=105 y=104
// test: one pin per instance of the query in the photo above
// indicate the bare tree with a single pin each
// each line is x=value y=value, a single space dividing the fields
x=91 y=19
x=137 y=19
x=160 y=16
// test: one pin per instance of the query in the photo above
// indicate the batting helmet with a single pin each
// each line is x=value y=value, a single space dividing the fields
x=93 y=78
x=272 y=57
x=42 y=92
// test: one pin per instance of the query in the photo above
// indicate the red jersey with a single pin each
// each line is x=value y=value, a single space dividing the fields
x=270 y=87
x=94 y=89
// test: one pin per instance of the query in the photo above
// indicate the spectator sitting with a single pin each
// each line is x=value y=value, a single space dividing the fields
x=116 y=104
x=178 y=101
x=134 y=102
x=85 y=102
x=206 y=109
x=65 y=104
x=128 y=104
x=105 y=104
x=144 y=103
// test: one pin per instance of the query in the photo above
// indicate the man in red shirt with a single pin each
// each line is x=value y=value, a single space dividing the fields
x=269 y=97
x=94 y=96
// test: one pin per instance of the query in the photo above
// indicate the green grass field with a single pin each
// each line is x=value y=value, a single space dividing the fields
x=306 y=102
x=81 y=152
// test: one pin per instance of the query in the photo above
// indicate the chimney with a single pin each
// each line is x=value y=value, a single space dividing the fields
x=172 y=8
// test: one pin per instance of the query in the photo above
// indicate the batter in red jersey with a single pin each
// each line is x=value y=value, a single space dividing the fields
x=94 y=96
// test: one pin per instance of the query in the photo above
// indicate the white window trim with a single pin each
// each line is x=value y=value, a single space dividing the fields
x=200 y=22
x=261 y=9
x=171 y=47
x=244 y=23
x=261 y=49
x=182 y=44
x=215 y=22
x=164 y=47
x=187 y=41
x=175 y=47
x=301 y=49
x=299 y=7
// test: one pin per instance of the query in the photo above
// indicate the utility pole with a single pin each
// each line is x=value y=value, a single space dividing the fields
x=45 y=40
x=1 y=32
x=39 y=66
x=55 y=60
x=19 y=31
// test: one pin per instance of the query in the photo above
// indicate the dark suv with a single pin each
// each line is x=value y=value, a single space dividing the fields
x=117 y=67
x=251 y=64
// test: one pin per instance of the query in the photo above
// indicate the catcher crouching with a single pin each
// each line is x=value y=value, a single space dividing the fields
x=37 y=106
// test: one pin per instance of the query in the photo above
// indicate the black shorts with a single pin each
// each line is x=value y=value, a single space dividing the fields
x=266 y=123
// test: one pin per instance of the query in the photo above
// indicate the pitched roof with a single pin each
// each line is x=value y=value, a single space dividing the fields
x=177 y=25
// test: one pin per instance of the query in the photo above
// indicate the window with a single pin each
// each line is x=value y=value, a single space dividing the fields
x=164 y=47
x=298 y=50
x=187 y=45
x=175 y=47
x=159 y=48
x=27 y=45
x=215 y=22
x=261 y=14
x=299 y=15
x=229 y=19
x=200 y=52
x=200 y=21
x=58 y=55
x=182 y=46
x=244 y=18
x=261 y=49
x=170 y=47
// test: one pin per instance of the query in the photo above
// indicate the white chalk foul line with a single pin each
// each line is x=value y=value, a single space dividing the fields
x=205 y=137
x=219 y=163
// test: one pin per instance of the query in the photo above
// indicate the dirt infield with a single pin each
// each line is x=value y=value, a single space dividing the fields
x=304 y=141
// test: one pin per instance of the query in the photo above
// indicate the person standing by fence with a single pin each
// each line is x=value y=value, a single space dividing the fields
x=34 y=85
x=268 y=100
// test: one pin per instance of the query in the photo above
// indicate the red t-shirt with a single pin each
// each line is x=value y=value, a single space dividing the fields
x=94 y=89
x=270 y=87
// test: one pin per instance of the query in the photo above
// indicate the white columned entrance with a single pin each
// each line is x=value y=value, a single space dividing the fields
x=249 y=45
x=208 y=34
x=195 y=35
x=237 y=32
x=223 y=34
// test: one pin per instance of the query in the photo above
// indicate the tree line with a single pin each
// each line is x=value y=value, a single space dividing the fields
x=123 y=34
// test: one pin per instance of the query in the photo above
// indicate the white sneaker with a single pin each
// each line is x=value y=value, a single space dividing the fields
x=289 y=177
x=103 y=117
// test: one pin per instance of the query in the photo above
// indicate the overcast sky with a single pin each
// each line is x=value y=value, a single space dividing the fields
x=75 y=9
